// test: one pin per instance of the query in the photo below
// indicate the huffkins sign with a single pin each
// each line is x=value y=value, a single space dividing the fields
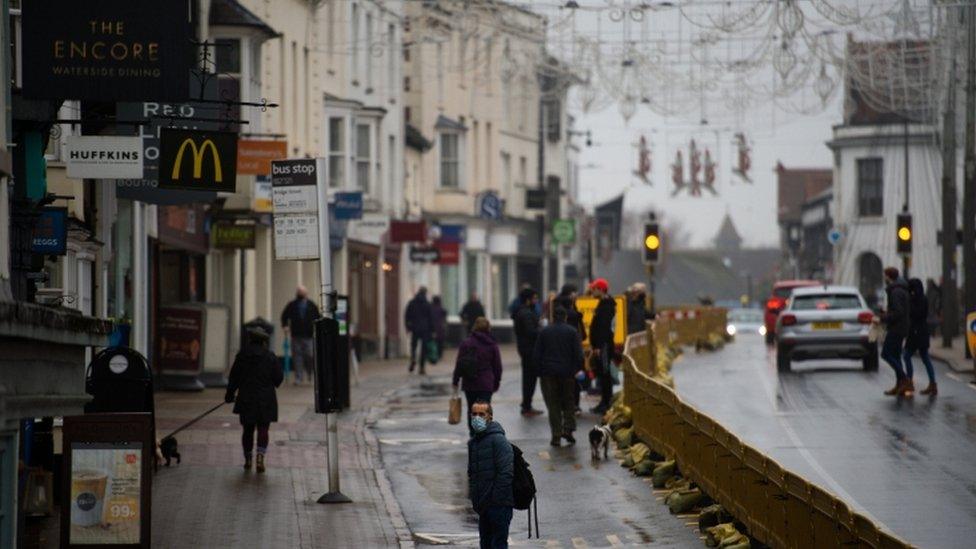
x=110 y=50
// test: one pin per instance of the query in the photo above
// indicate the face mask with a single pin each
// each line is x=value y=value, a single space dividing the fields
x=479 y=424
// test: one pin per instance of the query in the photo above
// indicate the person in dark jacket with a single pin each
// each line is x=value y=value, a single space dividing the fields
x=897 y=325
x=420 y=323
x=601 y=341
x=488 y=377
x=526 y=322
x=298 y=320
x=491 y=464
x=918 y=335
x=559 y=356
x=253 y=377
x=471 y=311
x=636 y=308
x=439 y=319
x=567 y=300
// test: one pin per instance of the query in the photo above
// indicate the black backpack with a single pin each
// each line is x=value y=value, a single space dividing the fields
x=523 y=488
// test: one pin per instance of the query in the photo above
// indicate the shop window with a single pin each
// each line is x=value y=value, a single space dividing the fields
x=472 y=275
x=450 y=288
x=501 y=291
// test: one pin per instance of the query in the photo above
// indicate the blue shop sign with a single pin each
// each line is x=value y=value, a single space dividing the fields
x=348 y=205
x=51 y=232
x=452 y=233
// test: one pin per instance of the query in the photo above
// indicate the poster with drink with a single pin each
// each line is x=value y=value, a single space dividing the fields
x=105 y=493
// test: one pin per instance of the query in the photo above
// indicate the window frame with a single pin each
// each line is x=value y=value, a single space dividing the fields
x=343 y=154
x=458 y=160
x=866 y=206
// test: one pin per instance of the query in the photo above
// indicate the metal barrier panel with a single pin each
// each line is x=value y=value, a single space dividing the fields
x=709 y=454
x=798 y=513
x=825 y=530
x=755 y=494
x=776 y=498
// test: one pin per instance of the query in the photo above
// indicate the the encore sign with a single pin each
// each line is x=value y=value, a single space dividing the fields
x=109 y=50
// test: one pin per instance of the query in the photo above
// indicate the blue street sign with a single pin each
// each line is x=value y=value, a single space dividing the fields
x=51 y=232
x=489 y=205
x=348 y=206
x=834 y=236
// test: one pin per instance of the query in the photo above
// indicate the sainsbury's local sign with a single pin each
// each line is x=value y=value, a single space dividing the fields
x=103 y=157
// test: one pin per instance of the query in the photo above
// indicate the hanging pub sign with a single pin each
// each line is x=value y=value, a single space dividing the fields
x=110 y=50
x=408 y=231
x=51 y=232
x=348 y=205
x=197 y=160
x=233 y=236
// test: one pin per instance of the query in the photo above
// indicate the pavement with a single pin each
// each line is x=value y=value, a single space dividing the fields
x=954 y=357
x=905 y=463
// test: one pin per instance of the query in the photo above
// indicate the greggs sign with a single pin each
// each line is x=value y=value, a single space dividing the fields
x=109 y=50
x=197 y=160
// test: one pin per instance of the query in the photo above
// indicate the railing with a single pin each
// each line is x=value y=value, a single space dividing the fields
x=779 y=508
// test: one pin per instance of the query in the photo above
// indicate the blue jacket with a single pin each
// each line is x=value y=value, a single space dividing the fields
x=490 y=462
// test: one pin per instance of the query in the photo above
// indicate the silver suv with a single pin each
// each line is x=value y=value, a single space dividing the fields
x=825 y=322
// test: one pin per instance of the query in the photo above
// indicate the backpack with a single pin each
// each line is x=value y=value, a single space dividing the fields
x=523 y=488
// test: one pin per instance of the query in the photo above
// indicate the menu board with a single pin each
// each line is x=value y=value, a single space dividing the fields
x=105 y=490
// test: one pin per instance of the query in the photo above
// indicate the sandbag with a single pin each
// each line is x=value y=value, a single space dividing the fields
x=738 y=541
x=621 y=421
x=683 y=501
x=715 y=535
x=677 y=483
x=713 y=515
x=639 y=452
x=645 y=468
x=624 y=437
x=662 y=473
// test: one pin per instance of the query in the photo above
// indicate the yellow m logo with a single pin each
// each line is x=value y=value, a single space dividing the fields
x=198 y=159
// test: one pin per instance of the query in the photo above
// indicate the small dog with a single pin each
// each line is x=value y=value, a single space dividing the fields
x=600 y=436
x=169 y=448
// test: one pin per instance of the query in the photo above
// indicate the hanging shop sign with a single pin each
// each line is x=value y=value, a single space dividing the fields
x=107 y=467
x=408 y=231
x=451 y=233
x=295 y=205
x=51 y=232
x=535 y=199
x=233 y=236
x=424 y=254
x=370 y=228
x=488 y=205
x=197 y=160
x=564 y=231
x=110 y=50
x=448 y=253
x=348 y=205
x=262 y=200
x=254 y=156
x=103 y=157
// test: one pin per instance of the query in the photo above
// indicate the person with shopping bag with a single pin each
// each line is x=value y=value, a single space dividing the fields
x=478 y=370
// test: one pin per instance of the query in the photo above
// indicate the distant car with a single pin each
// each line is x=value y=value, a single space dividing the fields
x=745 y=321
x=776 y=302
x=825 y=322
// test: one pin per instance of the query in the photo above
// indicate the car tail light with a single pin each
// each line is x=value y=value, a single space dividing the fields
x=865 y=317
x=788 y=320
x=774 y=304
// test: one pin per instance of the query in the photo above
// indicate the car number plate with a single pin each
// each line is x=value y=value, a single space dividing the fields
x=826 y=325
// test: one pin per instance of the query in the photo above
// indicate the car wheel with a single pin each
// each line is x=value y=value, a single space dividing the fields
x=871 y=359
x=770 y=338
x=782 y=361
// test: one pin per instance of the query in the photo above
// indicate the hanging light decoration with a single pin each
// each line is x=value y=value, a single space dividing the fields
x=784 y=59
x=824 y=84
x=789 y=18
x=627 y=107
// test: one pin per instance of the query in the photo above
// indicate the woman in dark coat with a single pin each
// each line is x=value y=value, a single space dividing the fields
x=918 y=334
x=439 y=317
x=481 y=347
x=254 y=377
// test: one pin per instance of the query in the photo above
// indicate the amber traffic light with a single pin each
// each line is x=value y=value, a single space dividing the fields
x=652 y=243
x=904 y=234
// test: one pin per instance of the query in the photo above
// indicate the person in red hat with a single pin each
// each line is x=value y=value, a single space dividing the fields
x=601 y=341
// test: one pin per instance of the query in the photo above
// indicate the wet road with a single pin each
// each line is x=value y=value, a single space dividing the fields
x=910 y=464
x=581 y=503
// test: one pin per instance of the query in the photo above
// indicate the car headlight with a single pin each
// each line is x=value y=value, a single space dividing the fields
x=730 y=329
x=762 y=330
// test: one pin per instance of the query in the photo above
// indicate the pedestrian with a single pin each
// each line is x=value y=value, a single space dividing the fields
x=471 y=311
x=567 y=300
x=897 y=324
x=636 y=308
x=439 y=317
x=298 y=320
x=481 y=348
x=254 y=376
x=918 y=335
x=559 y=356
x=933 y=297
x=516 y=302
x=547 y=308
x=601 y=341
x=419 y=321
x=491 y=463
x=526 y=323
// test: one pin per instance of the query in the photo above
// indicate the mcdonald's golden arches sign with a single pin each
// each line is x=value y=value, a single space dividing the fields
x=197 y=160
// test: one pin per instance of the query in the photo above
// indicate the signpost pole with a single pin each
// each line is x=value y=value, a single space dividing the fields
x=325 y=277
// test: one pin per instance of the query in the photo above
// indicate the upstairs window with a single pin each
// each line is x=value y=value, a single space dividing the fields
x=450 y=161
x=870 y=187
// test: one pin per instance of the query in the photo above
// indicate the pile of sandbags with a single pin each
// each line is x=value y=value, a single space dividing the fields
x=725 y=536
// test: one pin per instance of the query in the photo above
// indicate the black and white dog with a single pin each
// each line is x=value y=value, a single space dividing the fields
x=600 y=436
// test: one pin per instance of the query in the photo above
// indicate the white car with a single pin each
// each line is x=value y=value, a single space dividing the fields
x=745 y=321
x=823 y=322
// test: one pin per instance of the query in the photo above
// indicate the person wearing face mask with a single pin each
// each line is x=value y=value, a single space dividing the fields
x=490 y=475
x=298 y=320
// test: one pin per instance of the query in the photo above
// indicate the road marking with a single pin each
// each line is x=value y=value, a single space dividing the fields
x=956 y=377
x=579 y=543
x=544 y=455
x=614 y=540
x=554 y=543
x=402 y=441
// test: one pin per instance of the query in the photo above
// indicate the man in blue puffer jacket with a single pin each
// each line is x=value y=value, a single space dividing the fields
x=490 y=475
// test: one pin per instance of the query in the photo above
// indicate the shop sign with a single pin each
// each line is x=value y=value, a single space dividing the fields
x=488 y=205
x=110 y=50
x=103 y=157
x=424 y=254
x=448 y=253
x=535 y=199
x=370 y=228
x=51 y=232
x=197 y=160
x=452 y=233
x=183 y=227
x=254 y=156
x=294 y=186
x=564 y=231
x=348 y=205
x=180 y=335
x=233 y=236
x=107 y=464
x=262 y=200
x=408 y=231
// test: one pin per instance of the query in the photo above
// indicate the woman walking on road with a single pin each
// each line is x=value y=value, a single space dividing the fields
x=479 y=356
x=254 y=377
x=918 y=334
x=439 y=318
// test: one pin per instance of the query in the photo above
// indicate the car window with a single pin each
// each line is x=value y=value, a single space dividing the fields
x=826 y=302
x=746 y=316
x=783 y=292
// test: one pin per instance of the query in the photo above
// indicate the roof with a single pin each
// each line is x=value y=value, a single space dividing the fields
x=416 y=140
x=814 y=290
x=230 y=13
x=727 y=236
x=794 y=186
x=445 y=123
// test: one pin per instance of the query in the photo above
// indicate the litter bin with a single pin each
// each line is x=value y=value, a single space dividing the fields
x=119 y=380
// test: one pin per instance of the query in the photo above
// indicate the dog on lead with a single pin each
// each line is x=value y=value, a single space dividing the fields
x=600 y=436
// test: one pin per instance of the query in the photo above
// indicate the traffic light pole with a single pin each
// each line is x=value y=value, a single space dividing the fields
x=949 y=287
x=969 y=187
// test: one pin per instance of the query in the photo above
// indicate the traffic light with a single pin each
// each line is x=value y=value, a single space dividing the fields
x=904 y=234
x=652 y=243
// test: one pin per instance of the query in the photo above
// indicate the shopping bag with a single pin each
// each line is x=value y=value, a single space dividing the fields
x=454 y=410
x=433 y=352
